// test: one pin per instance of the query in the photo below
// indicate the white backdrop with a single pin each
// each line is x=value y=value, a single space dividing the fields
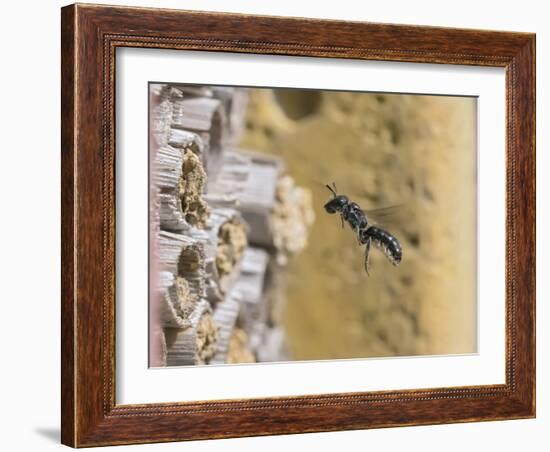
x=30 y=227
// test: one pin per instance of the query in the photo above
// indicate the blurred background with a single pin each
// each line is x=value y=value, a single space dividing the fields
x=415 y=152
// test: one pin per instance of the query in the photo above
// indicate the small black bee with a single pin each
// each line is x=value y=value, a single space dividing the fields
x=367 y=234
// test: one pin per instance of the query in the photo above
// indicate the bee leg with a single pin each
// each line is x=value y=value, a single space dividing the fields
x=367 y=250
x=342 y=220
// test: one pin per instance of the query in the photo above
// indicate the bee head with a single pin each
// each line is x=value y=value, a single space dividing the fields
x=336 y=204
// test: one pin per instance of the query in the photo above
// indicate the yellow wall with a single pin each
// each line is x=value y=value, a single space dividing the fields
x=414 y=151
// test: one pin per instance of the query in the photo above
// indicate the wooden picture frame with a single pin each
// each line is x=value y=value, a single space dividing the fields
x=90 y=37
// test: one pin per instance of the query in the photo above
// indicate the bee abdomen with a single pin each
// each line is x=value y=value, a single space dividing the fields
x=386 y=242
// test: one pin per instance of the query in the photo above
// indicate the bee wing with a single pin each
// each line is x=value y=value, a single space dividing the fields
x=389 y=215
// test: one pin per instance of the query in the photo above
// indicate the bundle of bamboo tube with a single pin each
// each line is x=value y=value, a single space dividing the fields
x=224 y=222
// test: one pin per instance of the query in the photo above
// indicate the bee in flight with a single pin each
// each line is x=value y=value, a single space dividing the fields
x=367 y=234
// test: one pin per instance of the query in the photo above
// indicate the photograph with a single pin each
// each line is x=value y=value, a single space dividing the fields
x=295 y=224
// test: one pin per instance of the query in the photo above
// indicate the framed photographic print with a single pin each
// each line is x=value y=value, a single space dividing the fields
x=281 y=225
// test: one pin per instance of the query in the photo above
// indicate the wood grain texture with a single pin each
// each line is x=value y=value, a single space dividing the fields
x=90 y=36
x=68 y=243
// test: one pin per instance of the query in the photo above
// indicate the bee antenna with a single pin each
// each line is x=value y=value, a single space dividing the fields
x=331 y=189
x=335 y=189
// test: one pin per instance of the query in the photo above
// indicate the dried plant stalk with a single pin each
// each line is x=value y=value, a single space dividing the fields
x=161 y=114
x=273 y=346
x=206 y=117
x=235 y=102
x=231 y=246
x=223 y=191
x=195 y=344
x=238 y=351
x=254 y=314
x=224 y=249
x=177 y=301
x=191 y=187
x=279 y=212
x=225 y=316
